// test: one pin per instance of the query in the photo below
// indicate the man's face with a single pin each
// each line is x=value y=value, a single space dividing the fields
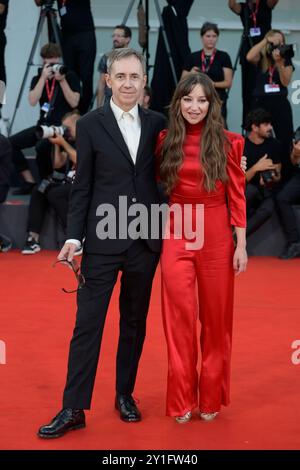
x=70 y=124
x=264 y=130
x=127 y=81
x=119 y=39
x=52 y=61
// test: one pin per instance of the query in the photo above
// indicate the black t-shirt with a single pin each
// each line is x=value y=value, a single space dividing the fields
x=3 y=17
x=271 y=146
x=263 y=21
x=214 y=71
x=263 y=78
x=78 y=17
x=60 y=106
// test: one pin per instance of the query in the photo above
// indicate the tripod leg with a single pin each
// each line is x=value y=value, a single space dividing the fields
x=128 y=12
x=29 y=63
x=166 y=41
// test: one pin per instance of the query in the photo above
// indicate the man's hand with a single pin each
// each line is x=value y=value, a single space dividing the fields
x=47 y=72
x=264 y=164
x=59 y=77
x=244 y=163
x=58 y=140
x=67 y=251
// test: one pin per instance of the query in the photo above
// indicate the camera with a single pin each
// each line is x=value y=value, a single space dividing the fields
x=44 y=132
x=286 y=50
x=267 y=177
x=55 y=178
x=58 y=68
x=297 y=135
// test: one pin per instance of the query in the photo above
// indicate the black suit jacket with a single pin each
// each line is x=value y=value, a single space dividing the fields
x=105 y=171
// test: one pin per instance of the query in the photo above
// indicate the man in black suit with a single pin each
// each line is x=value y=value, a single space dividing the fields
x=115 y=152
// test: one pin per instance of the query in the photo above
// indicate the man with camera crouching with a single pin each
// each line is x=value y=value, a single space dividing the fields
x=289 y=195
x=263 y=154
x=55 y=190
x=57 y=91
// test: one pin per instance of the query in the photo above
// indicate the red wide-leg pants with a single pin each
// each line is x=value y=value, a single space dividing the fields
x=199 y=284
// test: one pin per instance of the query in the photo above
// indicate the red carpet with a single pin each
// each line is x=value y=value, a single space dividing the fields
x=36 y=324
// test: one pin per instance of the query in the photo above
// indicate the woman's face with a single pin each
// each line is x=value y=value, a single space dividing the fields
x=194 y=106
x=210 y=39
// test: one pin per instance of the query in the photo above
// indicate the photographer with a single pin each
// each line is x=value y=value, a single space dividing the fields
x=56 y=189
x=5 y=172
x=121 y=38
x=215 y=63
x=57 y=92
x=272 y=58
x=289 y=195
x=78 y=43
x=3 y=17
x=263 y=162
x=256 y=18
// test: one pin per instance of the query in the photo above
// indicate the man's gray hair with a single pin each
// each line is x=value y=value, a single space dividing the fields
x=123 y=53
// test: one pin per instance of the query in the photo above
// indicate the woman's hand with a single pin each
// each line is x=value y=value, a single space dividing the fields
x=240 y=260
x=277 y=57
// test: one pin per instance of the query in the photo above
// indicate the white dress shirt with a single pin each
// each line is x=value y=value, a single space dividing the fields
x=130 y=126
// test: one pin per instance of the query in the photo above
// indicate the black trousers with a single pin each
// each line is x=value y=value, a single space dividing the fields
x=79 y=56
x=260 y=206
x=248 y=78
x=26 y=139
x=57 y=197
x=290 y=194
x=138 y=265
x=2 y=59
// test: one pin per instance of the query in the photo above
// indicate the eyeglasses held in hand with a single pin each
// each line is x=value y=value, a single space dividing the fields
x=76 y=270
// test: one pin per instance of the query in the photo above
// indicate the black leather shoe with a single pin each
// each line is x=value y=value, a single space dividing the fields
x=127 y=408
x=292 y=251
x=67 y=419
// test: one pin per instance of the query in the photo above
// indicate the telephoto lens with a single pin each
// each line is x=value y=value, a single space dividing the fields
x=59 y=68
x=44 y=132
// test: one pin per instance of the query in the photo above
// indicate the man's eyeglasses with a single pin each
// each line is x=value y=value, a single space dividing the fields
x=76 y=270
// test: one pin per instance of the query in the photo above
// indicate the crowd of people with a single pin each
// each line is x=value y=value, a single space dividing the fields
x=266 y=71
x=123 y=148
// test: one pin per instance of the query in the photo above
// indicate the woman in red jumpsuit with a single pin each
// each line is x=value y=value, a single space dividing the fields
x=199 y=165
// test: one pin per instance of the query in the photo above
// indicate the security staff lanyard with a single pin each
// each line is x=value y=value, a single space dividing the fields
x=254 y=12
x=271 y=74
x=205 y=68
x=48 y=91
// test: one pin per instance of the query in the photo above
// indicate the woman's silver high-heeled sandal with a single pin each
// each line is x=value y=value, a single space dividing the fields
x=185 y=418
x=208 y=416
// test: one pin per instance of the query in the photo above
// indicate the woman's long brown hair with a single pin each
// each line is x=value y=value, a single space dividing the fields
x=213 y=140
